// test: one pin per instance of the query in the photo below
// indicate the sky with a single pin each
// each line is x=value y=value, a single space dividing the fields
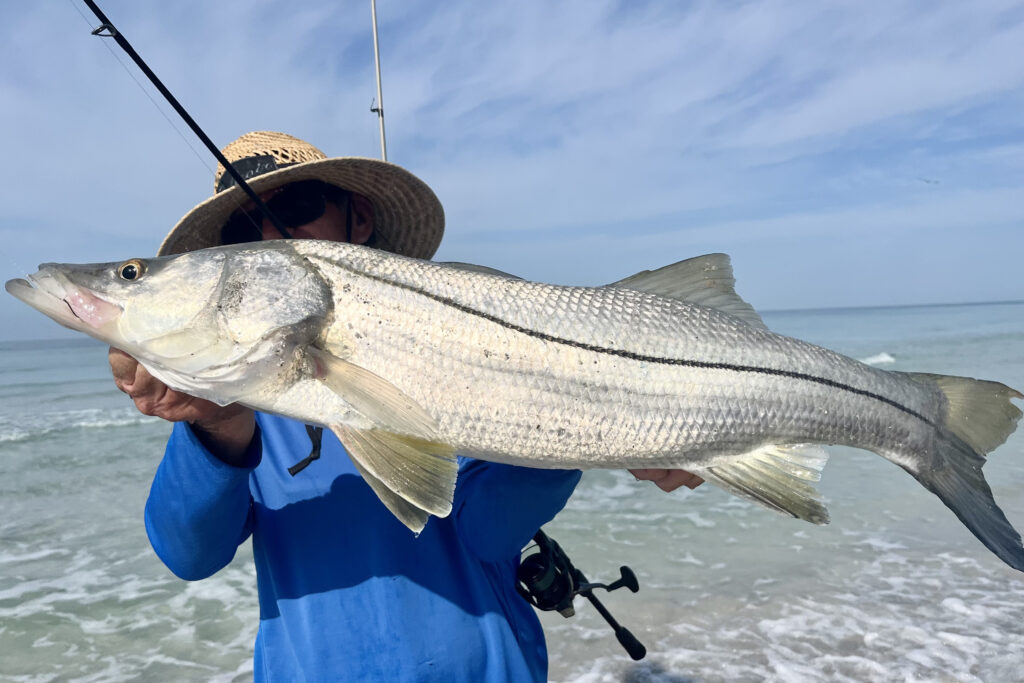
x=843 y=153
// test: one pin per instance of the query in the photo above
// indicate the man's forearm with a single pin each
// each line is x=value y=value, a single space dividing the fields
x=199 y=505
x=228 y=434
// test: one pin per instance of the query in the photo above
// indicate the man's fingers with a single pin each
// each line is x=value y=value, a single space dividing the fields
x=123 y=367
x=677 y=478
x=149 y=396
x=133 y=379
x=669 y=480
x=153 y=397
x=145 y=384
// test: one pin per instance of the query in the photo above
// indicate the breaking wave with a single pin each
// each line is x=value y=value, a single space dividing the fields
x=941 y=618
x=28 y=427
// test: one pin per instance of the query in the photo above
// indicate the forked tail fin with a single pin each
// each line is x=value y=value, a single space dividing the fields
x=979 y=418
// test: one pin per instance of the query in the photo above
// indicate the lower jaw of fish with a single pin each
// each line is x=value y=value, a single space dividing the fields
x=68 y=305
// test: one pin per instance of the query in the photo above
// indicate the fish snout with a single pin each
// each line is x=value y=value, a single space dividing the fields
x=50 y=291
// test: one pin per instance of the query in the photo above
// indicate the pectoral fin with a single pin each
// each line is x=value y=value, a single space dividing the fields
x=777 y=477
x=402 y=458
x=417 y=471
x=372 y=396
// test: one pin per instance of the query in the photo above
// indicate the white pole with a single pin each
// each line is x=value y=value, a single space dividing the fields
x=380 y=96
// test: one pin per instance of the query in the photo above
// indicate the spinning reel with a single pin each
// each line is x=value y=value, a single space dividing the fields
x=549 y=581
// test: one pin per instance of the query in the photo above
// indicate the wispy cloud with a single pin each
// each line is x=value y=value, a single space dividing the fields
x=568 y=141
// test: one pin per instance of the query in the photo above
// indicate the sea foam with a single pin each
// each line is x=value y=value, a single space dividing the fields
x=882 y=358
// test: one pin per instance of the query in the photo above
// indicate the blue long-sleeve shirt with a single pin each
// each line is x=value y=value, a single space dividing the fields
x=346 y=591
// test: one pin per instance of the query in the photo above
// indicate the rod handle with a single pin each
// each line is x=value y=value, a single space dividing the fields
x=632 y=646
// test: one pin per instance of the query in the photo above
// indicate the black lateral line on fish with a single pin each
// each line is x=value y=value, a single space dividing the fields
x=650 y=359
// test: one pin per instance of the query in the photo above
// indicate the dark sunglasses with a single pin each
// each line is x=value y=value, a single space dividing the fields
x=295 y=204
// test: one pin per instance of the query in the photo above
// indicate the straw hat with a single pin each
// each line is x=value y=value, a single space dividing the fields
x=407 y=215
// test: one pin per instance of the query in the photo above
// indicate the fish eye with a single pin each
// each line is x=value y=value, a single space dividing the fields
x=131 y=270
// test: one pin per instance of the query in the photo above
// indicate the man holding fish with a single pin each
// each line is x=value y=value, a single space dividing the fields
x=346 y=591
x=409 y=362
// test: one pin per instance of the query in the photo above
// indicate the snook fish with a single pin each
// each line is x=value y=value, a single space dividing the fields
x=411 y=361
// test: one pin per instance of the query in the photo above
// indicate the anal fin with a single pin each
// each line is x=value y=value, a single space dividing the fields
x=777 y=477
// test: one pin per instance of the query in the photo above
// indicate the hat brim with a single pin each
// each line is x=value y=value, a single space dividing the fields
x=408 y=217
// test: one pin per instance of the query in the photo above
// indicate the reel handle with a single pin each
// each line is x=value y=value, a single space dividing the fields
x=627 y=580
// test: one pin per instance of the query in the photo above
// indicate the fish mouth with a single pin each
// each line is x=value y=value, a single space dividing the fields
x=50 y=292
x=39 y=293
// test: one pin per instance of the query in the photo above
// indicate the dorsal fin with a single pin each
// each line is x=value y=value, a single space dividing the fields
x=703 y=280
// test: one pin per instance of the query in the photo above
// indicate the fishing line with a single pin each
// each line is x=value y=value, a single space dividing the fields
x=108 y=30
x=16 y=267
x=29 y=267
x=148 y=95
x=156 y=105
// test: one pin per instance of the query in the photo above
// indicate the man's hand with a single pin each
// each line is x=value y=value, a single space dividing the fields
x=153 y=397
x=225 y=430
x=669 y=480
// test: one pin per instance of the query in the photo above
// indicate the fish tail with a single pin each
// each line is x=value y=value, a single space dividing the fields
x=979 y=417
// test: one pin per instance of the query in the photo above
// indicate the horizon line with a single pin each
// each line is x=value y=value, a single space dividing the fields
x=882 y=306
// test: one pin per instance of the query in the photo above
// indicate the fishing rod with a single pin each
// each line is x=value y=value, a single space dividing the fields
x=106 y=29
x=549 y=581
x=379 y=109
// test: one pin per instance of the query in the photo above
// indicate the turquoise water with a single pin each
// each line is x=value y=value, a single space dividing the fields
x=894 y=589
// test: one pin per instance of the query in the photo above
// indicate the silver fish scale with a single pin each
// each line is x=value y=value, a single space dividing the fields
x=517 y=371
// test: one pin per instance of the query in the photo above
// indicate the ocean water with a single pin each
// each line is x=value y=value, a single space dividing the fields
x=894 y=589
